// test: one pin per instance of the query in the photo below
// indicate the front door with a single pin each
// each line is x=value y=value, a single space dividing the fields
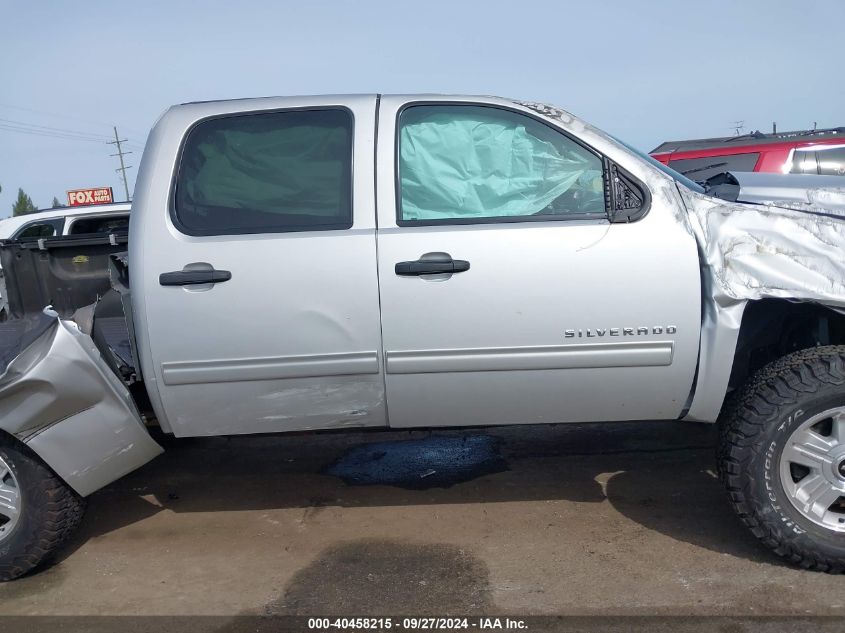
x=507 y=296
x=258 y=284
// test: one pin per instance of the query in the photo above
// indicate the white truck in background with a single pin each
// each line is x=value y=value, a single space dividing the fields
x=59 y=221
x=62 y=221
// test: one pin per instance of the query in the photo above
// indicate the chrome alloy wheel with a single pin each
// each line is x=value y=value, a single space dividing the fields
x=812 y=469
x=10 y=500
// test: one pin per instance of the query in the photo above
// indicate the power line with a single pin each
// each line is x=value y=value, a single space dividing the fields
x=48 y=134
x=26 y=128
x=54 y=129
x=47 y=131
x=63 y=116
x=85 y=133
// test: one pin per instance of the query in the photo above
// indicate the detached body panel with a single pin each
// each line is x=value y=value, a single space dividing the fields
x=60 y=398
x=58 y=393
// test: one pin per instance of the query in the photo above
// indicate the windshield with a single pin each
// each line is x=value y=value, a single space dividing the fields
x=686 y=182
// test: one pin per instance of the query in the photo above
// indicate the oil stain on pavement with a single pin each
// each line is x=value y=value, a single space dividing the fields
x=437 y=461
x=388 y=577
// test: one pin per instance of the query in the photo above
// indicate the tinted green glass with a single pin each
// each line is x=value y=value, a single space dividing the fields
x=269 y=172
x=473 y=162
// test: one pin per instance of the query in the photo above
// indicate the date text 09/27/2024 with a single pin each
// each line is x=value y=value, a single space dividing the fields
x=416 y=624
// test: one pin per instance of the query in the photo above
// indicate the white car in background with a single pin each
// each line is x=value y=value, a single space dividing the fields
x=67 y=221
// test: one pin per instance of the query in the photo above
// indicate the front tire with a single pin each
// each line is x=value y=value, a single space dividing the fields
x=38 y=511
x=782 y=457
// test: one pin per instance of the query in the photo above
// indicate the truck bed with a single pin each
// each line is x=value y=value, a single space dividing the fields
x=68 y=385
x=72 y=275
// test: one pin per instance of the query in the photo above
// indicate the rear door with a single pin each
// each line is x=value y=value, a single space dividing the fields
x=507 y=295
x=257 y=269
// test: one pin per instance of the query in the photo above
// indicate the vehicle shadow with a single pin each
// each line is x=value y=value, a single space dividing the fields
x=658 y=474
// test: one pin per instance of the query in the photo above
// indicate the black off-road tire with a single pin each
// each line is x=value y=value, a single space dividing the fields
x=755 y=424
x=50 y=512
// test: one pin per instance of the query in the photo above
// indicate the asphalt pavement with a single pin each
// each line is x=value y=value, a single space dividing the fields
x=606 y=519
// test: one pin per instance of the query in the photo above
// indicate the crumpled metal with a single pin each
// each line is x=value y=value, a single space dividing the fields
x=752 y=252
x=756 y=252
x=60 y=398
x=803 y=192
x=830 y=201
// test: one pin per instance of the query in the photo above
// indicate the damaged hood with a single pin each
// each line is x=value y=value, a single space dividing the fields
x=819 y=194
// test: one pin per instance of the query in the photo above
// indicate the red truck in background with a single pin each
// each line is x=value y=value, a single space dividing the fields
x=800 y=152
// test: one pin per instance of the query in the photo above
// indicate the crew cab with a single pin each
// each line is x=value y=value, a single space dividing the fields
x=423 y=261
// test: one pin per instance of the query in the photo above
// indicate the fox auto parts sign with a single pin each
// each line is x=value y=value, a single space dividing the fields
x=98 y=195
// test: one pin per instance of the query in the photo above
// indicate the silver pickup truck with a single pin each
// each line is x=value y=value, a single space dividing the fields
x=337 y=262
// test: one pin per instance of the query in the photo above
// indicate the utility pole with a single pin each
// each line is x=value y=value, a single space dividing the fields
x=123 y=167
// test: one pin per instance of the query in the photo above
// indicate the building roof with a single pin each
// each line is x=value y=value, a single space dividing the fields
x=754 y=138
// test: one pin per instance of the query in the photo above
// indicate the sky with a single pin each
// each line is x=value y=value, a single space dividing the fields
x=643 y=70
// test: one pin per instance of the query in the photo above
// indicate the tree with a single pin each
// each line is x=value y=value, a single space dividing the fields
x=23 y=204
x=56 y=203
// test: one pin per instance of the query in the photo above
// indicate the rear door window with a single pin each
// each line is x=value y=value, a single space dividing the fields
x=270 y=172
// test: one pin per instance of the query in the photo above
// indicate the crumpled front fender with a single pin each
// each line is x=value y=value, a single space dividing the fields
x=753 y=252
x=60 y=398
